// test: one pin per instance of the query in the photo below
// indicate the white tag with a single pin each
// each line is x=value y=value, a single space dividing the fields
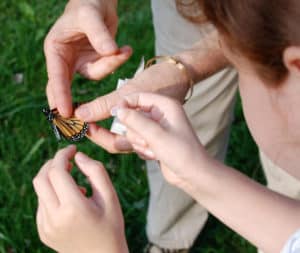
x=117 y=127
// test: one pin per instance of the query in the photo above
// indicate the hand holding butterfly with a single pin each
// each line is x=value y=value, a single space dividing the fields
x=162 y=78
x=82 y=41
x=67 y=220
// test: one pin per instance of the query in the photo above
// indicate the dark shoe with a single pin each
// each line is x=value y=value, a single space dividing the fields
x=152 y=248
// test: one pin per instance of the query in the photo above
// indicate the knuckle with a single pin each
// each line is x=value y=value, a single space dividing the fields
x=48 y=43
x=100 y=106
x=36 y=183
x=69 y=214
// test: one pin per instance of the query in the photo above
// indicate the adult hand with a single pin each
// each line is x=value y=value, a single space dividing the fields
x=158 y=128
x=81 y=40
x=163 y=78
x=67 y=220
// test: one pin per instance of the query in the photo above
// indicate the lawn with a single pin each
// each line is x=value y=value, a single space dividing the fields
x=26 y=140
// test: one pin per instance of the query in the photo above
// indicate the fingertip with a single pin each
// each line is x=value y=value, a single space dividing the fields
x=66 y=152
x=81 y=158
x=93 y=129
x=72 y=148
x=85 y=163
x=83 y=112
x=108 y=47
x=65 y=111
x=126 y=50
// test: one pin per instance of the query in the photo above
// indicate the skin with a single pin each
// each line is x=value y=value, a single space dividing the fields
x=163 y=78
x=270 y=110
x=67 y=220
x=271 y=114
x=81 y=41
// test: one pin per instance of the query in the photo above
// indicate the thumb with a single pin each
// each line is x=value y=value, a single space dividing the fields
x=95 y=28
x=103 y=190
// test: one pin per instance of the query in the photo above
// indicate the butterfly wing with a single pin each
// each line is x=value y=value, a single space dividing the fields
x=56 y=132
x=71 y=129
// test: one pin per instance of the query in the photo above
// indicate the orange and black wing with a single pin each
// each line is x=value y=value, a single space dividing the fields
x=71 y=129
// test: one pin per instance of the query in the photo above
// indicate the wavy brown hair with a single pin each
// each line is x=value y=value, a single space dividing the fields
x=259 y=29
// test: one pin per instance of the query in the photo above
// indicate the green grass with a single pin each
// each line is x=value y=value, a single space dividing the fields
x=26 y=140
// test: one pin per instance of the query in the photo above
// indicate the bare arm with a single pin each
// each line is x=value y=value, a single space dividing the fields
x=163 y=78
x=204 y=58
x=265 y=218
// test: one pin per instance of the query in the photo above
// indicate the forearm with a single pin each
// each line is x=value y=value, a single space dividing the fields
x=204 y=58
x=265 y=218
x=201 y=61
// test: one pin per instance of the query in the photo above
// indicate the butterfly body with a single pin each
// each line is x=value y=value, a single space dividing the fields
x=71 y=129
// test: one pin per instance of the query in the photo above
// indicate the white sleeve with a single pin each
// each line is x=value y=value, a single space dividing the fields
x=293 y=244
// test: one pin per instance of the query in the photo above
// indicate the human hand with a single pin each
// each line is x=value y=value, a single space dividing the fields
x=67 y=220
x=158 y=128
x=81 y=40
x=163 y=78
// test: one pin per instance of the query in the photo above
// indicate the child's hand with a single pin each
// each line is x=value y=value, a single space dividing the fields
x=158 y=128
x=67 y=220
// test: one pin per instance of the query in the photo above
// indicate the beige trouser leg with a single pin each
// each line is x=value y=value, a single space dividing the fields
x=175 y=219
x=278 y=180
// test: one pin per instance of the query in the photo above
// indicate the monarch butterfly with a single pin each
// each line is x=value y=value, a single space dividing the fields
x=71 y=129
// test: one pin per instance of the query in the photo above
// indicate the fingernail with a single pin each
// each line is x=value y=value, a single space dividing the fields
x=109 y=47
x=149 y=153
x=72 y=146
x=126 y=49
x=83 y=112
x=114 y=111
x=121 y=113
x=81 y=157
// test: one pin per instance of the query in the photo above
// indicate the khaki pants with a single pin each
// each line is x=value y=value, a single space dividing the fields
x=174 y=219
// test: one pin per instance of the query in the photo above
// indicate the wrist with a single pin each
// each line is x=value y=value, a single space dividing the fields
x=162 y=78
x=199 y=179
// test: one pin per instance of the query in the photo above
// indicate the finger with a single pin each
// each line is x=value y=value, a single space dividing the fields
x=99 y=108
x=61 y=180
x=112 y=21
x=105 y=65
x=98 y=178
x=110 y=142
x=59 y=75
x=147 y=128
x=93 y=25
x=135 y=139
x=144 y=152
x=44 y=188
x=50 y=96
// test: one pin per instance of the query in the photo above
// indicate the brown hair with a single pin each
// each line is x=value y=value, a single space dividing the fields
x=259 y=29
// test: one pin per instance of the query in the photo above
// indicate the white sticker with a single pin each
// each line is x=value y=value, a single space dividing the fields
x=117 y=127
